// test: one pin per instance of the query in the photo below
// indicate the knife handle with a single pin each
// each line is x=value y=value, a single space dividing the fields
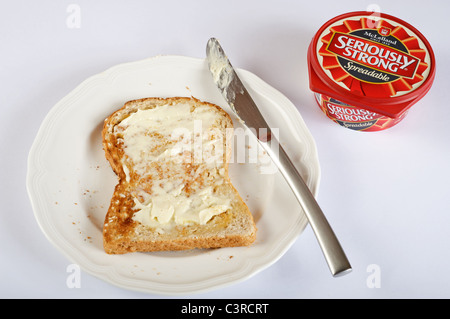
x=331 y=248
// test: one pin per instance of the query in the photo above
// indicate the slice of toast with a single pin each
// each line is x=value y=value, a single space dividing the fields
x=171 y=157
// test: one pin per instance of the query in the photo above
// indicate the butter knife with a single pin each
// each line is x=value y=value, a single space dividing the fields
x=245 y=108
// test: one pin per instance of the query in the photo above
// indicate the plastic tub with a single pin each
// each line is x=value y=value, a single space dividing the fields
x=367 y=69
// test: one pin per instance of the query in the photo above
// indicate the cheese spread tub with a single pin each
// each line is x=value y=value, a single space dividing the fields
x=367 y=69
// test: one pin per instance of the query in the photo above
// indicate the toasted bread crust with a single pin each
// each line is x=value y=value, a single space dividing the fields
x=123 y=234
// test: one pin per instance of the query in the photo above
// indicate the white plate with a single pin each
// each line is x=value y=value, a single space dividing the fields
x=70 y=183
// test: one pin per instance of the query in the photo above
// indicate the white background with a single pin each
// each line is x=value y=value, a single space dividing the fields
x=386 y=194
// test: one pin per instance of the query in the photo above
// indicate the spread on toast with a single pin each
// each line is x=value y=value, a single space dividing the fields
x=171 y=158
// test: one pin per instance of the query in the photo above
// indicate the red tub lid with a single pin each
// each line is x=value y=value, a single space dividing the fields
x=371 y=60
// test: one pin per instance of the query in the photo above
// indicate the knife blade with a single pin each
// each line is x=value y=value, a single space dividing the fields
x=237 y=96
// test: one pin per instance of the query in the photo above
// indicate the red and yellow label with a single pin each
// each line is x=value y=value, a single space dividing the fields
x=355 y=118
x=373 y=58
